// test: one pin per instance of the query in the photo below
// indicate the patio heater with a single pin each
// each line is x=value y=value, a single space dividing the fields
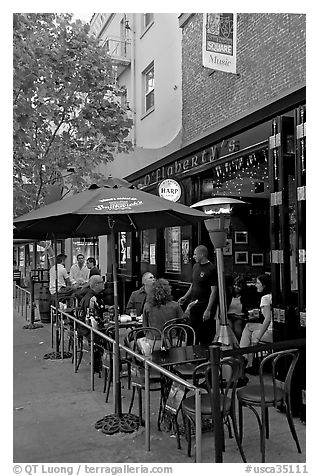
x=218 y=209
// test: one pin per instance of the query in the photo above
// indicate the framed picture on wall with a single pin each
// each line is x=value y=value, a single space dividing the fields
x=241 y=237
x=257 y=259
x=228 y=249
x=241 y=257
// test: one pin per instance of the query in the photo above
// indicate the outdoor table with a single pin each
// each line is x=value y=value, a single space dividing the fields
x=127 y=325
x=180 y=355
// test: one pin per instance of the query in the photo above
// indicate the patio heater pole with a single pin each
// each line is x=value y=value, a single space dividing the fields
x=218 y=211
x=224 y=333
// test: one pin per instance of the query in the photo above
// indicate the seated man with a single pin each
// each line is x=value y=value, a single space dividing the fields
x=79 y=273
x=97 y=299
x=93 y=270
x=96 y=296
x=138 y=298
x=64 y=285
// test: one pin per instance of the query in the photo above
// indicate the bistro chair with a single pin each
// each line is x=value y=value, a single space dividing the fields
x=151 y=340
x=265 y=395
x=231 y=368
x=179 y=335
x=176 y=335
x=177 y=320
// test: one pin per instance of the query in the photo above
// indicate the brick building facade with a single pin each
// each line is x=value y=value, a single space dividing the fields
x=271 y=58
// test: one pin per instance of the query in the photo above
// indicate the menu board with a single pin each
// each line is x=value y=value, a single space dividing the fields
x=152 y=253
x=173 y=249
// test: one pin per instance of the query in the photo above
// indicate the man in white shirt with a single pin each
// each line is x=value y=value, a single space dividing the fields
x=79 y=272
x=63 y=277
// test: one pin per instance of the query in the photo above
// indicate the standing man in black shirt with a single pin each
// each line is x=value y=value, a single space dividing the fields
x=204 y=288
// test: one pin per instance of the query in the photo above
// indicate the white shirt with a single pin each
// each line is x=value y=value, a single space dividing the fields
x=62 y=276
x=79 y=274
x=235 y=306
x=266 y=301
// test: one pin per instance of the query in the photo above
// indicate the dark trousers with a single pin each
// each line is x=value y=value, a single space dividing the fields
x=204 y=330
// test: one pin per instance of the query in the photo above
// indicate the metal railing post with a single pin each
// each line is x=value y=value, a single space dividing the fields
x=62 y=335
x=113 y=370
x=51 y=325
x=18 y=300
x=92 y=359
x=75 y=347
x=147 y=408
x=32 y=302
x=198 y=425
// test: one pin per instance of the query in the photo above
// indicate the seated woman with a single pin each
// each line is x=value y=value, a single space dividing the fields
x=254 y=332
x=238 y=306
x=160 y=307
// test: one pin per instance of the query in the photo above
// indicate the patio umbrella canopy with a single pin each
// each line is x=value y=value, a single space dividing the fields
x=101 y=211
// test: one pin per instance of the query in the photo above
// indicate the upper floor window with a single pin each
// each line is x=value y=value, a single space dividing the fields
x=147 y=19
x=149 y=87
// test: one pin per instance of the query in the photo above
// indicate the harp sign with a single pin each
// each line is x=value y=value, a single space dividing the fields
x=170 y=189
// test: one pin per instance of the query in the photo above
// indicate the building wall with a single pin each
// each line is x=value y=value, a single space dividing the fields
x=271 y=58
x=158 y=133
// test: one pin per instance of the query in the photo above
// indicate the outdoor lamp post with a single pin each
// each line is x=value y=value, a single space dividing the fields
x=218 y=209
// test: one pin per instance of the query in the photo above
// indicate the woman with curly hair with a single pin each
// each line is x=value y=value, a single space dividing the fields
x=160 y=307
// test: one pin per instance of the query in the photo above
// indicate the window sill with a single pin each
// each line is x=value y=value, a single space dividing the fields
x=146 y=29
x=149 y=111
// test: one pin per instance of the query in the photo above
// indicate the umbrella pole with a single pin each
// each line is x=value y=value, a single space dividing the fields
x=118 y=399
x=117 y=422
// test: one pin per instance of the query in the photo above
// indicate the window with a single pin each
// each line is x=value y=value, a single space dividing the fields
x=149 y=88
x=147 y=19
x=173 y=249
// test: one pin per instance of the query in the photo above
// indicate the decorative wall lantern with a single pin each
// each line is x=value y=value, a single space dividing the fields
x=218 y=210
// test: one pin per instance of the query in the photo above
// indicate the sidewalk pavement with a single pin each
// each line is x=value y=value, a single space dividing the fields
x=54 y=413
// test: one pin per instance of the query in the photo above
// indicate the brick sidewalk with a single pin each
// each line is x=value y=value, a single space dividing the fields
x=54 y=413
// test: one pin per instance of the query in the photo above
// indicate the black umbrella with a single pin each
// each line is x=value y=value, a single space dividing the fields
x=100 y=211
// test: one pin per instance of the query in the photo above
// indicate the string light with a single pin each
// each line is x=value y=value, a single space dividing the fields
x=236 y=175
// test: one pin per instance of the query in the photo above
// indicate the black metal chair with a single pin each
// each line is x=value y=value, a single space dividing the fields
x=153 y=339
x=177 y=320
x=230 y=370
x=178 y=335
x=265 y=395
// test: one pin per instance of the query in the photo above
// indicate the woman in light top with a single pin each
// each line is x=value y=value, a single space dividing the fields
x=255 y=332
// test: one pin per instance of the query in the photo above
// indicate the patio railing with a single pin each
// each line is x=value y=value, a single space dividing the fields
x=216 y=354
x=22 y=301
x=59 y=334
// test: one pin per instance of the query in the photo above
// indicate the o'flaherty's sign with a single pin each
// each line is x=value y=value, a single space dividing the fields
x=219 y=41
x=205 y=157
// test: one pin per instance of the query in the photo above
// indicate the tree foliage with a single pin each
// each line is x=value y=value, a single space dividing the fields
x=67 y=112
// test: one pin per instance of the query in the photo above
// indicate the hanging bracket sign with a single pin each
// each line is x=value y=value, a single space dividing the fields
x=170 y=189
x=219 y=41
